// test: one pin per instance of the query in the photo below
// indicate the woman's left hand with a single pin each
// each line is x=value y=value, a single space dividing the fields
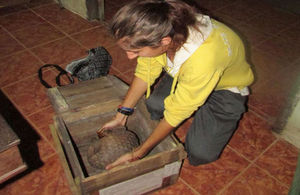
x=126 y=158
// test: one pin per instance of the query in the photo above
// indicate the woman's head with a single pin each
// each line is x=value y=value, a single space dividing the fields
x=145 y=23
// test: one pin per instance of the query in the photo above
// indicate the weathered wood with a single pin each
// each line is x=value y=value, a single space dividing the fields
x=8 y=138
x=75 y=188
x=57 y=100
x=70 y=151
x=13 y=173
x=95 y=97
x=11 y=162
x=119 y=85
x=84 y=87
x=128 y=171
x=92 y=110
x=101 y=9
x=90 y=105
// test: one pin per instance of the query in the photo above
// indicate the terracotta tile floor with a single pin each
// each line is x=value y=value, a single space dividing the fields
x=255 y=161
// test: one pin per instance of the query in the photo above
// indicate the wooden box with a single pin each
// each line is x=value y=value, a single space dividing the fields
x=83 y=108
x=11 y=162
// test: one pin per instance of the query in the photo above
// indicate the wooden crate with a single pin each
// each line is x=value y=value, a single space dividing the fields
x=83 y=108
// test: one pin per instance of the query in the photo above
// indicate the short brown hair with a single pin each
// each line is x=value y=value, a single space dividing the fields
x=145 y=23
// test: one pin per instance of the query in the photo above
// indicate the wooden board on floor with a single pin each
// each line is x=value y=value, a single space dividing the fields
x=11 y=162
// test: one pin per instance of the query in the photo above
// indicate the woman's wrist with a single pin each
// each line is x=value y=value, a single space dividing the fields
x=125 y=110
x=138 y=153
x=121 y=118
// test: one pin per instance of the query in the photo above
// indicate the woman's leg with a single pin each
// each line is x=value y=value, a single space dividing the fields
x=155 y=102
x=213 y=125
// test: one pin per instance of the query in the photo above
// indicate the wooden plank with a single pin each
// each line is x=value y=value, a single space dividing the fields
x=87 y=94
x=8 y=138
x=13 y=173
x=70 y=151
x=91 y=104
x=131 y=170
x=85 y=87
x=120 y=86
x=101 y=10
x=10 y=160
x=92 y=110
x=83 y=129
x=95 y=97
x=57 y=100
x=75 y=188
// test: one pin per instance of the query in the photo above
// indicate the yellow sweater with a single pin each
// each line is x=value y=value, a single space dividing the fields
x=218 y=63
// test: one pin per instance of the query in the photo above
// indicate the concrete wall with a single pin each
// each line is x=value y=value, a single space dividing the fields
x=291 y=131
x=76 y=6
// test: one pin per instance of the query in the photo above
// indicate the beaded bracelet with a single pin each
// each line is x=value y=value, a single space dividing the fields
x=125 y=110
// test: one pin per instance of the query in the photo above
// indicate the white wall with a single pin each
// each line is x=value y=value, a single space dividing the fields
x=291 y=132
x=76 y=6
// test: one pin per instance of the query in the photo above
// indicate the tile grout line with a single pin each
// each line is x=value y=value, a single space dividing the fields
x=29 y=49
x=234 y=179
x=50 y=155
x=60 y=30
x=65 y=33
x=12 y=101
x=189 y=186
x=269 y=174
x=25 y=8
x=39 y=132
x=262 y=116
x=116 y=70
x=252 y=162
x=22 y=79
x=92 y=28
x=26 y=48
x=44 y=108
x=39 y=6
x=238 y=153
x=238 y=175
x=27 y=118
x=267 y=148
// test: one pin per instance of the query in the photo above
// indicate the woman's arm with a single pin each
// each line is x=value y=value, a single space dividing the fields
x=136 y=90
x=159 y=133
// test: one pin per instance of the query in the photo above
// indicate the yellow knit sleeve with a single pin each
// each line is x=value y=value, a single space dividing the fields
x=148 y=69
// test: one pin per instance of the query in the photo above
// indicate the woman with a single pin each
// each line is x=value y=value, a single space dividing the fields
x=206 y=75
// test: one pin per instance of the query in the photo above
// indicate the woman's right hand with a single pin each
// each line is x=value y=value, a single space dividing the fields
x=118 y=120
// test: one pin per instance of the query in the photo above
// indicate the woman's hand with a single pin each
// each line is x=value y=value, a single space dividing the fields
x=118 y=120
x=159 y=133
x=126 y=158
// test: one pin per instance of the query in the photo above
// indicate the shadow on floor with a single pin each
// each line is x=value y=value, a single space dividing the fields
x=28 y=137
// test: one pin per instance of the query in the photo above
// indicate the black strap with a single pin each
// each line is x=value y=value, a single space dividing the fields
x=61 y=72
x=79 y=67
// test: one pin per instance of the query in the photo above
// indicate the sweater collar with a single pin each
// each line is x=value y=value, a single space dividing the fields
x=193 y=42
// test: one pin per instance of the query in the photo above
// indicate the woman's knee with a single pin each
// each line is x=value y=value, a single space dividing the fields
x=203 y=155
x=199 y=159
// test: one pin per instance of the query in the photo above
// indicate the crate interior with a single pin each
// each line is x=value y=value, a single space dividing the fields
x=83 y=133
